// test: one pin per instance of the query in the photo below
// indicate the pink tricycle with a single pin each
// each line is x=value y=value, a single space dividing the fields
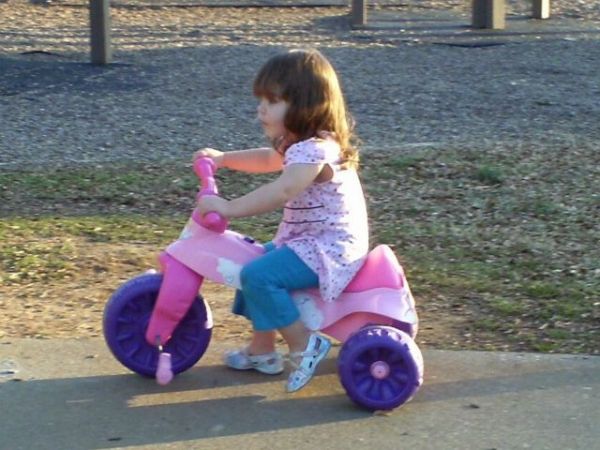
x=158 y=325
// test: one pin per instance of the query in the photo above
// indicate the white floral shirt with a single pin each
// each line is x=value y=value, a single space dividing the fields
x=326 y=224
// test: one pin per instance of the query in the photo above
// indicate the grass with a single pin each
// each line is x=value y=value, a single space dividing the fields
x=489 y=175
x=542 y=290
x=507 y=307
x=514 y=253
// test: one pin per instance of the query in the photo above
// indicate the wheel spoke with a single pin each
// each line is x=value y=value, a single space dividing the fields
x=133 y=351
x=124 y=320
x=373 y=353
x=191 y=324
x=125 y=336
x=134 y=307
x=384 y=354
x=149 y=358
x=373 y=390
x=386 y=390
x=365 y=384
x=392 y=388
x=149 y=297
x=400 y=377
x=359 y=366
x=395 y=358
x=180 y=348
x=187 y=337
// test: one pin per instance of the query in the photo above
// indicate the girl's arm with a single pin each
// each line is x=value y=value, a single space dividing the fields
x=269 y=197
x=254 y=160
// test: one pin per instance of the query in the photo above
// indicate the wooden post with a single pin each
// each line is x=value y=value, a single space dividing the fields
x=489 y=14
x=359 y=12
x=541 y=9
x=100 y=32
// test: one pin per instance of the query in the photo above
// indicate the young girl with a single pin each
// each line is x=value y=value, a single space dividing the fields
x=322 y=240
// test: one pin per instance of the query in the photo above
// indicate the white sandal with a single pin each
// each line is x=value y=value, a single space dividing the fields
x=269 y=363
x=316 y=350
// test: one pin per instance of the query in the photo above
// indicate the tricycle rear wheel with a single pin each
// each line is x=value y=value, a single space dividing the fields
x=380 y=367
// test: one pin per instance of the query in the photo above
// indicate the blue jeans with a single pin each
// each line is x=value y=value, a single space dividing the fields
x=266 y=284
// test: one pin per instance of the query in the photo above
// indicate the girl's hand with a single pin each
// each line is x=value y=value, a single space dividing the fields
x=214 y=203
x=216 y=155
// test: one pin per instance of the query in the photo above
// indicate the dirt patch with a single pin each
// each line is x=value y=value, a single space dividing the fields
x=73 y=307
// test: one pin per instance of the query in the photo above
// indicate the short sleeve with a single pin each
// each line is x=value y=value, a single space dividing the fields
x=312 y=151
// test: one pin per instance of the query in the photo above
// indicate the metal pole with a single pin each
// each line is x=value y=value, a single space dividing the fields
x=359 y=12
x=100 y=32
x=489 y=14
x=541 y=9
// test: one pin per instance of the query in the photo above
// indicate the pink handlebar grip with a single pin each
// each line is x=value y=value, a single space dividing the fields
x=205 y=169
x=214 y=221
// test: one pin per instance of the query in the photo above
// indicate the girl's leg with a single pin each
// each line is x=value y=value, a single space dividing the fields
x=296 y=336
x=266 y=286
x=262 y=342
x=306 y=356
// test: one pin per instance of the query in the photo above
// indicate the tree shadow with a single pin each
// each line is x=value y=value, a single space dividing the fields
x=55 y=75
x=205 y=402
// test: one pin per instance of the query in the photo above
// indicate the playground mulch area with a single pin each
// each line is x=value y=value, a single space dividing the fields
x=480 y=156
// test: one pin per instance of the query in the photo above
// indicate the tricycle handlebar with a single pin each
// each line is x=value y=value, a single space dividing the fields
x=205 y=169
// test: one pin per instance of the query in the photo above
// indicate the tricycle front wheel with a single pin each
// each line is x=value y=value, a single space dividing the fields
x=126 y=318
x=380 y=367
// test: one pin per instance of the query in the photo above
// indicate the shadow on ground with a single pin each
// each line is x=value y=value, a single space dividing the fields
x=209 y=402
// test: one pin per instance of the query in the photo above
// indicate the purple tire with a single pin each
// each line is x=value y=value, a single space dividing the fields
x=380 y=367
x=126 y=318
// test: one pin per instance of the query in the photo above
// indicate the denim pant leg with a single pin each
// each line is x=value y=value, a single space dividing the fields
x=266 y=283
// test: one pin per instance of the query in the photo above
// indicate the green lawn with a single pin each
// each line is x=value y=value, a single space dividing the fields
x=509 y=242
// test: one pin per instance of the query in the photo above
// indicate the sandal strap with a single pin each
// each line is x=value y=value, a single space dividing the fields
x=293 y=357
x=256 y=359
x=303 y=354
x=265 y=357
x=305 y=362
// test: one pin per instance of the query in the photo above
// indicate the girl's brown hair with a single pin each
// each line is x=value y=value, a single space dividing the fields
x=306 y=80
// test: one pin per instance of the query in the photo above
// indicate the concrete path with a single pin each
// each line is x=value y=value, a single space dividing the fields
x=73 y=395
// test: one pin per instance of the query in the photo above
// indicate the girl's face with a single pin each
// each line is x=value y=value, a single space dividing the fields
x=271 y=114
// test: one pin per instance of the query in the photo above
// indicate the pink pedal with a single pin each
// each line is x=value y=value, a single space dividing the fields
x=164 y=371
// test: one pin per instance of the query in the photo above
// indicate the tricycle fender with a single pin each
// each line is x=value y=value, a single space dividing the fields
x=353 y=310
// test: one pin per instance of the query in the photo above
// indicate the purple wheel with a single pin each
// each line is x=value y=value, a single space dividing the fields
x=380 y=367
x=126 y=318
